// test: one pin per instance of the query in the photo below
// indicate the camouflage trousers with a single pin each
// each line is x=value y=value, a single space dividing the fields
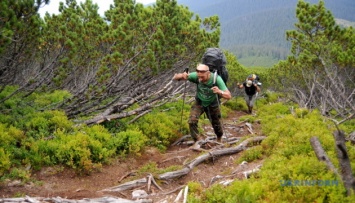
x=214 y=115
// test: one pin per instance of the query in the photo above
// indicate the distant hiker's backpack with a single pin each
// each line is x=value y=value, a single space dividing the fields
x=215 y=59
x=255 y=78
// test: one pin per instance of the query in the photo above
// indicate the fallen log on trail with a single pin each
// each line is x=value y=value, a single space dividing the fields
x=211 y=154
x=132 y=184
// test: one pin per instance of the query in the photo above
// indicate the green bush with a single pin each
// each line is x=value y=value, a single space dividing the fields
x=20 y=174
x=164 y=125
x=90 y=147
x=5 y=162
x=288 y=158
x=237 y=104
x=243 y=192
x=272 y=97
x=49 y=99
x=74 y=150
x=348 y=126
x=42 y=124
x=130 y=142
x=252 y=154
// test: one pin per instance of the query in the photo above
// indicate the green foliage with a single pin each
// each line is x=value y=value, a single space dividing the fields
x=348 y=126
x=150 y=167
x=10 y=135
x=244 y=192
x=237 y=104
x=321 y=55
x=225 y=111
x=43 y=124
x=290 y=163
x=5 y=161
x=117 y=125
x=236 y=71
x=42 y=138
x=19 y=18
x=162 y=126
x=300 y=168
x=130 y=142
x=95 y=57
x=20 y=174
x=271 y=97
x=8 y=89
x=50 y=98
x=159 y=133
x=195 y=192
x=88 y=148
x=195 y=188
x=251 y=154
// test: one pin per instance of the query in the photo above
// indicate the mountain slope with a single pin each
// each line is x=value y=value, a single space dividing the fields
x=257 y=28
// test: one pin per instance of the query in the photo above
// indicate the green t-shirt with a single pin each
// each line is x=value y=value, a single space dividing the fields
x=204 y=92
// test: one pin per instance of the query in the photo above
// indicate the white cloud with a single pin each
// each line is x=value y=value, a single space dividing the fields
x=104 y=5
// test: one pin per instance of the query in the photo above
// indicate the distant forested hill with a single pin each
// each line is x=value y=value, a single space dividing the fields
x=255 y=30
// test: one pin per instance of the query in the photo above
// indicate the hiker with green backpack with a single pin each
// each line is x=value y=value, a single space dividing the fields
x=210 y=88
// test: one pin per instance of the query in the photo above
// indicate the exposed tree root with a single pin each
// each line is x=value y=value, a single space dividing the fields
x=176 y=174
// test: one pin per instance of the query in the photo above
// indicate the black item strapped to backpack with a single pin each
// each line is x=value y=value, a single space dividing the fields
x=215 y=59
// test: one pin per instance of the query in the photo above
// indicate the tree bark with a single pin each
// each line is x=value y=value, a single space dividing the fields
x=344 y=162
x=322 y=155
x=242 y=146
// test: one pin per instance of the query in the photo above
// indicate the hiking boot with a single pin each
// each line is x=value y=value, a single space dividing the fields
x=219 y=139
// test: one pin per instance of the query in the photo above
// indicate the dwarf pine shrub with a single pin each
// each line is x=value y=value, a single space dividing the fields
x=291 y=171
x=237 y=104
x=251 y=154
x=195 y=192
x=130 y=142
x=164 y=125
x=5 y=162
x=29 y=137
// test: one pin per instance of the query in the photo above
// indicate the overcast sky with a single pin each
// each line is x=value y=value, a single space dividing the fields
x=104 y=5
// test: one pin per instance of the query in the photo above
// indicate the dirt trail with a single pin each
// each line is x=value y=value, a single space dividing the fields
x=59 y=182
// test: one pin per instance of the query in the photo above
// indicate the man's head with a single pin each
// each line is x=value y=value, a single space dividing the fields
x=203 y=72
x=249 y=83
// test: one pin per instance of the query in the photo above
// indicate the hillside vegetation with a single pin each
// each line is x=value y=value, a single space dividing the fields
x=78 y=91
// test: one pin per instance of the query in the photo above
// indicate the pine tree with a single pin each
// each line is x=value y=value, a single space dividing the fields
x=320 y=71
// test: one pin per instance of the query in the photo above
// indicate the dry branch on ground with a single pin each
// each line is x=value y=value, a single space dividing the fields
x=204 y=157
